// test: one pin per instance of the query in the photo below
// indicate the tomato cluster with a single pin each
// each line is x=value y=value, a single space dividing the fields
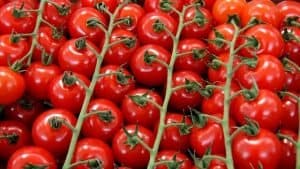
x=156 y=84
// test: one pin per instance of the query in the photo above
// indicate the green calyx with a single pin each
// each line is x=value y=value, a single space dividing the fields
x=132 y=139
x=12 y=138
x=158 y=26
x=122 y=78
x=95 y=164
x=191 y=86
x=140 y=100
x=149 y=58
x=35 y=166
x=165 y=5
x=69 y=79
x=198 y=118
x=251 y=127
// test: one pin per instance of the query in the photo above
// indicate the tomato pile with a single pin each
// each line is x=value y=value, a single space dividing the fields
x=156 y=84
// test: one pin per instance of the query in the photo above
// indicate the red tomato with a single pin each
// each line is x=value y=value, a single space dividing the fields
x=187 y=97
x=50 y=132
x=290 y=118
x=33 y=3
x=12 y=51
x=197 y=60
x=269 y=41
x=163 y=6
x=208 y=4
x=288 y=155
x=181 y=161
x=120 y=53
x=146 y=70
x=31 y=156
x=133 y=11
x=115 y=86
x=288 y=9
x=67 y=93
x=12 y=86
x=261 y=10
x=109 y=4
x=78 y=24
x=250 y=151
x=19 y=22
x=79 y=59
x=268 y=74
x=127 y=151
x=138 y=111
x=13 y=136
x=214 y=164
x=38 y=77
x=176 y=137
x=292 y=81
x=149 y=32
x=106 y=123
x=292 y=47
x=201 y=27
x=223 y=10
x=265 y=109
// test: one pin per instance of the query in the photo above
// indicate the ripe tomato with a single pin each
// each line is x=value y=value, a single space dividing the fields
x=12 y=86
x=11 y=51
x=150 y=29
x=127 y=151
x=292 y=81
x=213 y=164
x=114 y=86
x=78 y=24
x=133 y=11
x=181 y=161
x=90 y=148
x=13 y=136
x=176 y=137
x=138 y=111
x=120 y=53
x=290 y=118
x=73 y=56
x=265 y=109
x=145 y=69
x=106 y=123
x=197 y=60
x=223 y=10
x=19 y=22
x=31 y=157
x=163 y=6
x=50 y=132
x=288 y=154
x=33 y=3
x=292 y=47
x=188 y=96
x=269 y=41
x=109 y=4
x=250 y=151
x=288 y=9
x=38 y=77
x=67 y=93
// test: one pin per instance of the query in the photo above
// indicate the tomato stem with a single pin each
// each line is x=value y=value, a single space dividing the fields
x=89 y=162
x=288 y=61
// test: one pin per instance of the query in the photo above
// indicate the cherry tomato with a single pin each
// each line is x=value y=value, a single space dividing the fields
x=252 y=151
x=208 y=4
x=13 y=136
x=31 y=157
x=288 y=9
x=114 y=86
x=146 y=69
x=132 y=11
x=66 y=92
x=33 y=3
x=12 y=86
x=151 y=31
x=181 y=161
x=138 y=111
x=38 y=77
x=292 y=81
x=106 y=123
x=213 y=164
x=290 y=118
x=11 y=51
x=163 y=6
x=292 y=47
x=288 y=154
x=109 y=4
x=127 y=151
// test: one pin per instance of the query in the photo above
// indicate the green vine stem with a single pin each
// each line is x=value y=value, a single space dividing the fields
x=89 y=92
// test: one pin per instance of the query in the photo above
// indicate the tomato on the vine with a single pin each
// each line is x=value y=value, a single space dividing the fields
x=290 y=109
x=109 y=4
x=292 y=45
x=288 y=154
x=134 y=13
x=163 y=6
x=288 y=11
x=175 y=160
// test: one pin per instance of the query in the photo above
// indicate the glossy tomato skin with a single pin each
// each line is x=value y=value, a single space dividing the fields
x=78 y=27
x=288 y=155
x=135 y=12
x=290 y=118
x=12 y=51
x=292 y=47
x=69 y=97
x=120 y=54
x=248 y=151
x=155 y=5
x=114 y=87
x=109 y=4
x=208 y=4
x=214 y=164
x=185 y=98
x=268 y=73
x=260 y=9
x=102 y=128
x=31 y=155
x=269 y=40
x=168 y=155
x=173 y=137
x=54 y=139
x=147 y=33
x=292 y=81
x=190 y=61
x=144 y=115
x=38 y=77
x=265 y=109
x=8 y=147
x=128 y=156
x=12 y=86
x=288 y=9
x=33 y=3
x=79 y=60
x=10 y=23
x=150 y=74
